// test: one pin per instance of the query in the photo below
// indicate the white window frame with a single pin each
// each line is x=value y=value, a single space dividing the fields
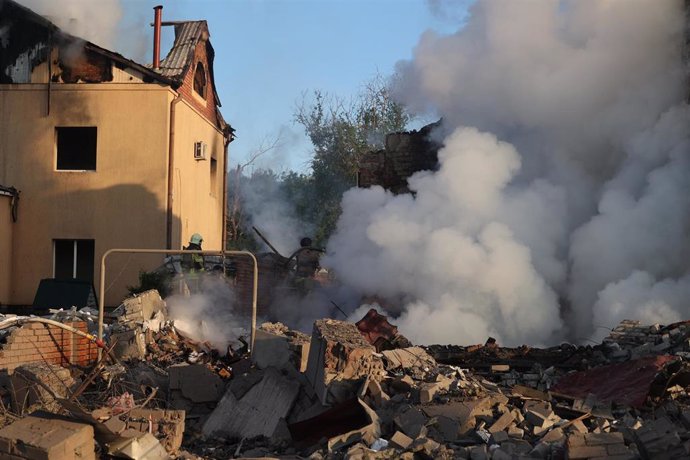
x=74 y=254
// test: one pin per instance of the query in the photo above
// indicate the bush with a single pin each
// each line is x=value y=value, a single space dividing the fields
x=152 y=280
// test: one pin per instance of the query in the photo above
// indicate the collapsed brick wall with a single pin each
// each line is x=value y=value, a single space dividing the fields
x=404 y=154
x=37 y=342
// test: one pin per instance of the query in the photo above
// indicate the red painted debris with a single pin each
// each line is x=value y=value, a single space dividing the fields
x=375 y=327
x=627 y=383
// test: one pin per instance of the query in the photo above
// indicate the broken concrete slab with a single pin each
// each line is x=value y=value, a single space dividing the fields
x=411 y=421
x=194 y=388
x=367 y=433
x=462 y=411
x=339 y=360
x=414 y=361
x=47 y=437
x=259 y=410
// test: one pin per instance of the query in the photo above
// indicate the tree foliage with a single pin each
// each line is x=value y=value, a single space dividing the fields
x=341 y=132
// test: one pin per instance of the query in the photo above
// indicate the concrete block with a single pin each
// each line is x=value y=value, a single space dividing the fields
x=579 y=452
x=130 y=344
x=427 y=391
x=376 y=393
x=502 y=423
x=258 y=412
x=515 y=432
x=555 y=435
x=400 y=440
x=280 y=351
x=144 y=447
x=166 y=425
x=498 y=437
x=339 y=360
x=596 y=439
x=47 y=438
x=140 y=307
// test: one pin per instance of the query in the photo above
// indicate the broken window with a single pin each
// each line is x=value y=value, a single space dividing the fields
x=200 y=80
x=76 y=148
x=214 y=174
x=73 y=259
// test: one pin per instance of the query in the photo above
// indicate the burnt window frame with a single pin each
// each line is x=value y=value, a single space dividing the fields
x=92 y=164
x=213 y=173
x=204 y=89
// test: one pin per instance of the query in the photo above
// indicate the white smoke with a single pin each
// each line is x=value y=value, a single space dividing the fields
x=99 y=21
x=96 y=21
x=575 y=184
x=209 y=315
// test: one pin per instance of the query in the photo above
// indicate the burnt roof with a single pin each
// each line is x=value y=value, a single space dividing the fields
x=9 y=10
x=173 y=68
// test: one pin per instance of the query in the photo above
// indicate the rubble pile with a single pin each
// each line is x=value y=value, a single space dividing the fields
x=356 y=391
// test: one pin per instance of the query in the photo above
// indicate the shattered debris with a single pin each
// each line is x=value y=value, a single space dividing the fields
x=333 y=395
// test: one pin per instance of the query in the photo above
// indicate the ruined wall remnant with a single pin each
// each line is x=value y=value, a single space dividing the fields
x=40 y=343
x=405 y=153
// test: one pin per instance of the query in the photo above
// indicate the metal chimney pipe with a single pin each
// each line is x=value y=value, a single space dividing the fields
x=157 y=10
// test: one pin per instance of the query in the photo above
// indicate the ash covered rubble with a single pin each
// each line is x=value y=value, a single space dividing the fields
x=349 y=390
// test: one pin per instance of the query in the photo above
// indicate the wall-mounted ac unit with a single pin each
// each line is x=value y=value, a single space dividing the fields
x=200 y=150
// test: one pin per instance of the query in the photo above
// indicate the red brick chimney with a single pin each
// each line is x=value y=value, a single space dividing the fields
x=157 y=10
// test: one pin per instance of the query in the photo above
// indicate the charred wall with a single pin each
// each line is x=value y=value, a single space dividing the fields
x=404 y=154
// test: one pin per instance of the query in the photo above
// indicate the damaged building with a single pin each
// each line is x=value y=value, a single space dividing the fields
x=404 y=154
x=98 y=152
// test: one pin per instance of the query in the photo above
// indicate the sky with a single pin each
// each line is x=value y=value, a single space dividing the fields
x=271 y=52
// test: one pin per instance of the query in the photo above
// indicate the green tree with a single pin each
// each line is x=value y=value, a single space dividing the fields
x=341 y=132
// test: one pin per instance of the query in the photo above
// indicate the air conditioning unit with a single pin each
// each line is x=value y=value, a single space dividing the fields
x=200 y=150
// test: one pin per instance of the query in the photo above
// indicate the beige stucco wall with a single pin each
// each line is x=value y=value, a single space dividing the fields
x=121 y=204
x=5 y=249
x=197 y=207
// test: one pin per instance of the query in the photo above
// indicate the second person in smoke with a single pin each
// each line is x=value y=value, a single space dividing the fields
x=306 y=265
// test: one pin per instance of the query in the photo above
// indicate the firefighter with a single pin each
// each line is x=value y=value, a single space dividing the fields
x=306 y=265
x=194 y=263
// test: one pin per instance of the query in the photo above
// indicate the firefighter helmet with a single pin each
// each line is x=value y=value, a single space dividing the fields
x=196 y=239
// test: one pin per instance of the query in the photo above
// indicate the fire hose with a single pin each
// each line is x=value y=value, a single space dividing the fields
x=20 y=320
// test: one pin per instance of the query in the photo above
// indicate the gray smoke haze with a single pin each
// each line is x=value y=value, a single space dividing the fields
x=264 y=206
x=562 y=202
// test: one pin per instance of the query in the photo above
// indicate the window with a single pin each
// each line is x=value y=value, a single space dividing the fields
x=76 y=148
x=214 y=174
x=200 y=80
x=73 y=259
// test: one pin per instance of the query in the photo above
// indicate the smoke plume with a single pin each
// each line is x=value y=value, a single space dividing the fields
x=263 y=205
x=101 y=22
x=562 y=198
x=209 y=315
